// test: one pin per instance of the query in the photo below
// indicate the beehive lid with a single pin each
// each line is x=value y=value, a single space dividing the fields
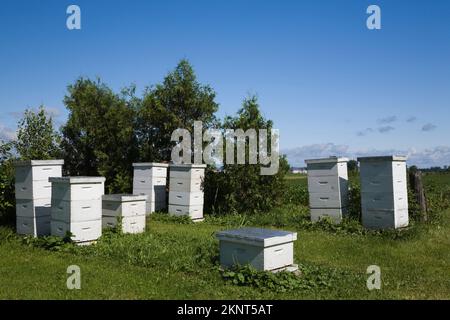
x=150 y=164
x=383 y=158
x=28 y=163
x=257 y=236
x=124 y=197
x=326 y=160
x=185 y=165
x=77 y=180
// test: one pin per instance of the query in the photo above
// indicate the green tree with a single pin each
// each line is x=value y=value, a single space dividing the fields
x=7 y=195
x=241 y=188
x=352 y=166
x=98 y=138
x=36 y=137
x=176 y=103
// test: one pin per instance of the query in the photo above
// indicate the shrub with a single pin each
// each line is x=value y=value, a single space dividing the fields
x=7 y=192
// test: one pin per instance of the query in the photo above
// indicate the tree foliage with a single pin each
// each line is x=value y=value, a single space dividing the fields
x=98 y=138
x=175 y=103
x=36 y=136
x=241 y=188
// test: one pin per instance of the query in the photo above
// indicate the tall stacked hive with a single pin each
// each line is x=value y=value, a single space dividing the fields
x=150 y=179
x=33 y=195
x=384 y=194
x=328 y=188
x=130 y=209
x=77 y=207
x=185 y=190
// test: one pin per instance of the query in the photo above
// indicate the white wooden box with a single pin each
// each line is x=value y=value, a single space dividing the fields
x=149 y=183
x=36 y=170
x=77 y=188
x=31 y=178
x=194 y=212
x=384 y=194
x=34 y=226
x=81 y=231
x=130 y=224
x=187 y=171
x=124 y=205
x=336 y=214
x=76 y=211
x=263 y=249
x=186 y=198
x=185 y=185
x=154 y=194
x=38 y=190
x=149 y=170
x=33 y=208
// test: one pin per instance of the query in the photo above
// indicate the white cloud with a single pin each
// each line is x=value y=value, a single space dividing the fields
x=435 y=156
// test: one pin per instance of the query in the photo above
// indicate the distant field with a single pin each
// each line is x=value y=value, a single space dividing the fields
x=175 y=260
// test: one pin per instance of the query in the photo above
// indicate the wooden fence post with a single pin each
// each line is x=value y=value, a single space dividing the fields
x=416 y=183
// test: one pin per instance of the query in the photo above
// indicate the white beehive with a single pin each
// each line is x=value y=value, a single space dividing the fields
x=185 y=190
x=384 y=193
x=33 y=195
x=263 y=249
x=77 y=207
x=150 y=179
x=328 y=188
x=130 y=209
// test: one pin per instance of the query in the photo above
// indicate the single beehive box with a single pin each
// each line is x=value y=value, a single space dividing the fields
x=264 y=249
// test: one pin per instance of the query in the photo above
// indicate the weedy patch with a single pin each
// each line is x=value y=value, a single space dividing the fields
x=51 y=243
x=165 y=217
x=308 y=278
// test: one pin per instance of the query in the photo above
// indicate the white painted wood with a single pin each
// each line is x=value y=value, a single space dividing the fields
x=194 y=212
x=384 y=194
x=336 y=214
x=131 y=224
x=77 y=188
x=76 y=211
x=150 y=170
x=33 y=226
x=187 y=171
x=33 y=208
x=185 y=198
x=82 y=231
x=38 y=190
x=262 y=248
x=124 y=209
x=185 y=185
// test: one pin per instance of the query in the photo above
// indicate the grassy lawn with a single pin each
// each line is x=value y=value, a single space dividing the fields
x=178 y=260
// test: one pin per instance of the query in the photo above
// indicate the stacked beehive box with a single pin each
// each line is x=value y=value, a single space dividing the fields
x=328 y=188
x=150 y=179
x=185 y=190
x=33 y=195
x=384 y=194
x=129 y=209
x=77 y=207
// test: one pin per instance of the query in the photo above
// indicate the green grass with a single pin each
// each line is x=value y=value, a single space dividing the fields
x=175 y=259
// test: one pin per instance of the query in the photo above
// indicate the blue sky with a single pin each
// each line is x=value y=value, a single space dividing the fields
x=332 y=86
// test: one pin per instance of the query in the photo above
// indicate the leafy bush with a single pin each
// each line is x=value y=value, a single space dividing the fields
x=51 y=243
x=240 y=188
x=296 y=194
